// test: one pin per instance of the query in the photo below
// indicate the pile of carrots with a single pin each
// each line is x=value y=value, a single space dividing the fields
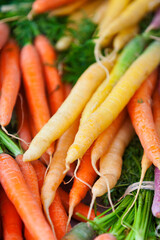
x=81 y=131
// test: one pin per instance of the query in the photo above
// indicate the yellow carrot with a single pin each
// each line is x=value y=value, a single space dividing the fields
x=131 y=51
x=56 y=174
x=132 y=14
x=68 y=111
x=115 y=102
x=111 y=162
x=113 y=10
x=123 y=37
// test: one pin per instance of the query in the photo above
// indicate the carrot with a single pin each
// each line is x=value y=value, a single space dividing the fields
x=24 y=131
x=111 y=162
x=17 y=191
x=4 y=33
x=123 y=37
x=30 y=178
x=66 y=10
x=83 y=181
x=40 y=6
x=56 y=173
x=131 y=52
x=40 y=170
x=113 y=10
x=12 y=224
x=142 y=119
x=115 y=102
x=104 y=140
x=52 y=77
x=131 y=15
x=34 y=87
x=105 y=236
x=27 y=169
x=80 y=208
x=57 y=212
x=67 y=87
x=59 y=217
x=10 y=75
x=68 y=112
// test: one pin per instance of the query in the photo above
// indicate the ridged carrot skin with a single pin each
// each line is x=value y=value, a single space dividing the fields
x=40 y=6
x=17 y=191
x=12 y=224
x=142 y=119
x=52 y=77
x=4 y=33
x=34 y=85
x=10 y=78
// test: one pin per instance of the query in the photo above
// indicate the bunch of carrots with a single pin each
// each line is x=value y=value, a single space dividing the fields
x=83 y=130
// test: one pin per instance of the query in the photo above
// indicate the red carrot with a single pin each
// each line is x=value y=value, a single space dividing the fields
x=4 y=33
x=17 y=191
x=40 y=6
x=52 y=77
x=12 y=224
x=142 y=119
x=10 y=73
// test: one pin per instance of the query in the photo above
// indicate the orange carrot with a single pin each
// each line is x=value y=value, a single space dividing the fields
x=18 y=192
x=40 y=6
x=12 y=224
x=57 y=212
x=24 y=131
x=80 y=208
x=140 y=112
x=40 y=170
x=86 y=176
x=52 y=77
x=30 y=178
x=34 y=87
x=59 y=217
x=10 y=73
x=4 y=33
x=67 y=89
